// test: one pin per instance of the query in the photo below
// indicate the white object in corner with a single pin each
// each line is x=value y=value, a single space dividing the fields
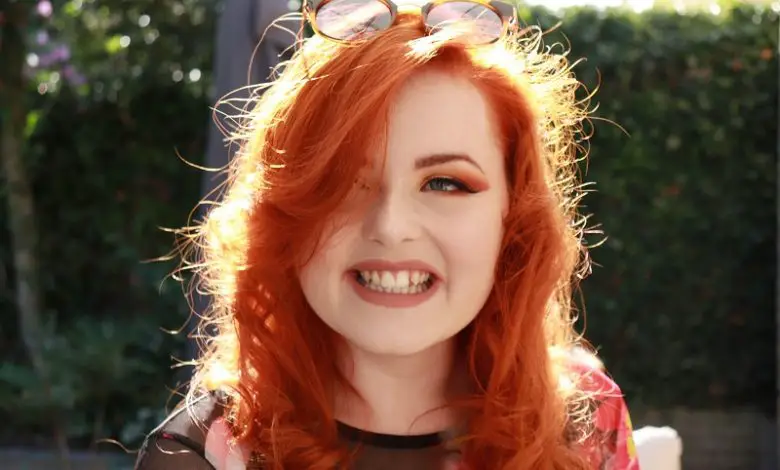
x=658 y=448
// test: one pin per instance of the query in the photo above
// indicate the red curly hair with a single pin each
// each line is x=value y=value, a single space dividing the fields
x=302 y=148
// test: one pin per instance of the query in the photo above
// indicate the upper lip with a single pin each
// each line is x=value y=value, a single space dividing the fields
x=405 y=265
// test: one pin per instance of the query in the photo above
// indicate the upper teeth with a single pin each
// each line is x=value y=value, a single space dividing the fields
x=395 y=279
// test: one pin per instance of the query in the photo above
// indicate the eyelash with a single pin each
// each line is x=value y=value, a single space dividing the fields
x=459 y=186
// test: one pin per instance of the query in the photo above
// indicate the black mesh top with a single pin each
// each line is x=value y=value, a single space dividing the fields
x=181 y=443
x=197 y=440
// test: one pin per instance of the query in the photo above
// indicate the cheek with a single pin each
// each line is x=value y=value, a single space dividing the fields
x=473 y=237
x=328 y=259
x=320 y=277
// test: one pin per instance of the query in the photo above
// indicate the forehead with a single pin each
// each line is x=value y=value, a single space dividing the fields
x=437 y=112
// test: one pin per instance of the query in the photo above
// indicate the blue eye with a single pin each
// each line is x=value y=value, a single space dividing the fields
x=448 y=185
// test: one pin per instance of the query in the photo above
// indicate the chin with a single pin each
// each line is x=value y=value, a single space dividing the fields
x=383 y=347
x=398 y=345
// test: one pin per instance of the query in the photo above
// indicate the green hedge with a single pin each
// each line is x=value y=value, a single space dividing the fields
x=680 y=302
x=105 y=158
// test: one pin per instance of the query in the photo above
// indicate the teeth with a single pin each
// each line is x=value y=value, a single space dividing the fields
x=398 y=290
x=402 y=280
x=387 y=280
x=397 y=282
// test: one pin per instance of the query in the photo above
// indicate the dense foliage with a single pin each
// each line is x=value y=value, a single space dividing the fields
x=681 y=299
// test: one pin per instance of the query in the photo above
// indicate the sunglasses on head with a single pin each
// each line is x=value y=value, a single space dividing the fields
x=480 y=21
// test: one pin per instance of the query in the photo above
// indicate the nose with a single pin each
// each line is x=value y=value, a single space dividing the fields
x=391 y=220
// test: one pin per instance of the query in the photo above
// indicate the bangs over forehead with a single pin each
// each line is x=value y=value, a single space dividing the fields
x=338 y=119
x=318 y=127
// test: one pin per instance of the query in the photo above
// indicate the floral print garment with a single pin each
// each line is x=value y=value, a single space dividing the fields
x=611 y=445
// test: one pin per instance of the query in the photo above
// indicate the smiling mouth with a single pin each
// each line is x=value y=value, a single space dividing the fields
x=396 y=282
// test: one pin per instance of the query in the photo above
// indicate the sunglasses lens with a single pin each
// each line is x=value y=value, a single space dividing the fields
x=480 y=23
x=349 y=20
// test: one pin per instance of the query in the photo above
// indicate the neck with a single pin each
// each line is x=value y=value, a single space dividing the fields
x=401 y=395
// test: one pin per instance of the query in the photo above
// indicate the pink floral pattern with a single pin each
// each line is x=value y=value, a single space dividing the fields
x=611 y=445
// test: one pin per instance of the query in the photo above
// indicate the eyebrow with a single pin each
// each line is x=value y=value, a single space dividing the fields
x=442 y=158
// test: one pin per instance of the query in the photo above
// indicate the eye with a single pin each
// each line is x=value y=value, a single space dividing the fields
x=448 y=185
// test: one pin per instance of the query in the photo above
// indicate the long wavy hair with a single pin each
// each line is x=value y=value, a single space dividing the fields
x=302 y=147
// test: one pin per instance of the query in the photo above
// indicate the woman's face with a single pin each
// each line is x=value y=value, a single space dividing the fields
x=416 y=265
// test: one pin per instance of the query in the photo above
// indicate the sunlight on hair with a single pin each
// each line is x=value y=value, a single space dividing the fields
x=302 y=142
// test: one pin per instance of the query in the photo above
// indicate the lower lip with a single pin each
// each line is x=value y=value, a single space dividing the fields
x=385 y=299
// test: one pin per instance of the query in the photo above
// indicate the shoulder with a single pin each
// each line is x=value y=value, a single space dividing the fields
x=194 y=436
x=611 y=442
x=193 y=417
x=591 y=377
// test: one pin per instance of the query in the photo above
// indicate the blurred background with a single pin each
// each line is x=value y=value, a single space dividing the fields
x=101 y=100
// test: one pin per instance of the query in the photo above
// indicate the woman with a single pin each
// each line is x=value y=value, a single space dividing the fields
x=393 y=261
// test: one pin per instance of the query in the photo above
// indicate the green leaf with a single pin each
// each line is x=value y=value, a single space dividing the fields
x=113 y=44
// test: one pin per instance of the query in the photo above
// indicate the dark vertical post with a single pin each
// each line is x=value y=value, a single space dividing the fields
x=777 y=295
x=238 y=62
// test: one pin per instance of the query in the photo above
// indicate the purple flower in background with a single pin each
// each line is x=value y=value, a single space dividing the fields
x=42 y=38
x=72 y=76
x=44 y=8
x=61 y=53
x=46 y=60
x=56 y=55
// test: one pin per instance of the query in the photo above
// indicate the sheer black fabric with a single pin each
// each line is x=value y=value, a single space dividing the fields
x=179 y=444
